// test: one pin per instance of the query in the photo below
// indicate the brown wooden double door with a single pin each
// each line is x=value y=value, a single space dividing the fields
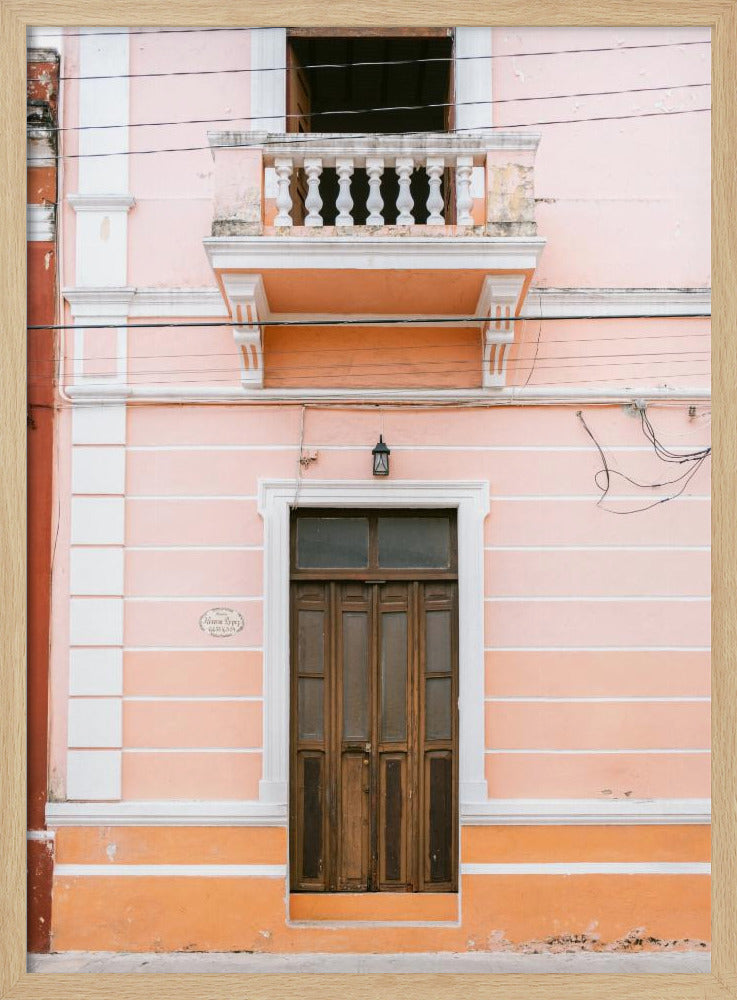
x=374 y=735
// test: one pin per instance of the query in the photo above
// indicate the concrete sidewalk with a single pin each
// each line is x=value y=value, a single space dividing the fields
x=582 y=962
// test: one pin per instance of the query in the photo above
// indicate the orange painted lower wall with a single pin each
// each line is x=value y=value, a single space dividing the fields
x=169 y=909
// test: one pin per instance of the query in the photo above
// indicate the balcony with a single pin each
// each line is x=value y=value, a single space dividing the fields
x=329 y=226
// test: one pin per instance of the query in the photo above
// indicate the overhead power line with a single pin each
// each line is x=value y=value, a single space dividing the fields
x=387 y=62
x=359 y=350
x=445 y=365
x=368 y=321
x=377 y=110
x=289 y=379
x=305 y=138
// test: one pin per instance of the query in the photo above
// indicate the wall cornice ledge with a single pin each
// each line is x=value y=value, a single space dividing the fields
x=99 y=302
x=489 y=253
x=162 y=813
x=560 y=303
x=101 y=202
x=586 y=812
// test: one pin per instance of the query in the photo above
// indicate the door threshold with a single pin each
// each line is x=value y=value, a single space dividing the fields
x=423 y=907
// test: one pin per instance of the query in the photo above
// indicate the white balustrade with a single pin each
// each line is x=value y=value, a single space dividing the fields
x=464 y=200
x=431 y=176
x=434 y=168
x=405 y=203
x=283 y=169
x=344 y=202
x=374 y=202
x=313 y=201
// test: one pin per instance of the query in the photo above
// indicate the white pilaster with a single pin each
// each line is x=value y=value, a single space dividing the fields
x=268 y=79
x=97 y=560
x=473 y=78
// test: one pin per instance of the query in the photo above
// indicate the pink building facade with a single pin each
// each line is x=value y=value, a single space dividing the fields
x=251 y=310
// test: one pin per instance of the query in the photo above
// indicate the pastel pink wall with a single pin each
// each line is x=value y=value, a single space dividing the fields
x=580 y=603
x=626 y=621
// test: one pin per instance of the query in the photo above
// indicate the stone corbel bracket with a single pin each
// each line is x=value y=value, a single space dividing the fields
x=249 y=307
x=499 y=301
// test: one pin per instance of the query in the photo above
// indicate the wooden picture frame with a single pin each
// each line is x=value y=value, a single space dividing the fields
x=15 y=16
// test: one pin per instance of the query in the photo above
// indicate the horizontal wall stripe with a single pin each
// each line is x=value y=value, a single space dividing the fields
x=225 y=750
x=207 y=597
x=172 y=871
x=528 y=599
x=192 y=649
x=280 y=871
x=204 y=697
x=595 y=649
x=582 y=497
x=545 y=699
x=591 y=868
x=525 y=498
x=644 y=750
x=194 y=548
x=597 y=548
x=175 y=496
x=686 y=449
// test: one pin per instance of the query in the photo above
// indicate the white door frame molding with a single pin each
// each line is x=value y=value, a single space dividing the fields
x=471 y=500
x=473 y=78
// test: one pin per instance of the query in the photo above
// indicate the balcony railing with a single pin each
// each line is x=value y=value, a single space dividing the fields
x=439 y=183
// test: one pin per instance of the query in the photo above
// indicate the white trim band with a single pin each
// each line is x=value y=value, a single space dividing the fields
x=592 y=868
x=158 y=813
x=176 y=871
x=587 y=812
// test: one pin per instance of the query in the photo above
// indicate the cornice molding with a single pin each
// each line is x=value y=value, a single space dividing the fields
x=101 y=202
x=586 y=812
x=158 y=813
x=40 y=223
x=487 y=253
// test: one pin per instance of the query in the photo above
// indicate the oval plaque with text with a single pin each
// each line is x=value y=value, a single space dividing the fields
x=221 y=622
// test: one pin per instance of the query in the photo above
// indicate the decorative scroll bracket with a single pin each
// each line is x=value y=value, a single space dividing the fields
x=249 y=307
x=498 y=303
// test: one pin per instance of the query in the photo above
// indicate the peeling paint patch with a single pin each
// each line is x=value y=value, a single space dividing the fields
x=634 y=941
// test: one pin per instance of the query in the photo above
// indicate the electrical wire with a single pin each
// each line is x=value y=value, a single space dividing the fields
x=696 y=458
x=388 y=62
x=291 y=375
x=444 y=366
x=305 y=138
x=351 y=352
x=398 y=107
x=369 y=321
x=357 y=350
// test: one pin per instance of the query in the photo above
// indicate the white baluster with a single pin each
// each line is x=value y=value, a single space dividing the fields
x=313 y=201
x=434 y=167
x=404 y=168
x=344 y=202
x=464 y=201
x=374 y=202
x=283 y=170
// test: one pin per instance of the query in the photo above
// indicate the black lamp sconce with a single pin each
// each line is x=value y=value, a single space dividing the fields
x=380 y=455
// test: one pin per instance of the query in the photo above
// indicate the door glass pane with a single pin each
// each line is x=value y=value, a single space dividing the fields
x=310 y=708
x=423 y=542
x=393 y=820
x=355 y=676
x=441 y=818
x=312 y=817
x=310 y=642
x=327 y=542
x=437 y=642
x=394 y=676
x=437 y=708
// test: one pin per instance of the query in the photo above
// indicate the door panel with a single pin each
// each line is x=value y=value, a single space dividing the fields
x=374 y=735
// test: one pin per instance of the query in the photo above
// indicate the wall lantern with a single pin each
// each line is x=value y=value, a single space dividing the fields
x=381 y=458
